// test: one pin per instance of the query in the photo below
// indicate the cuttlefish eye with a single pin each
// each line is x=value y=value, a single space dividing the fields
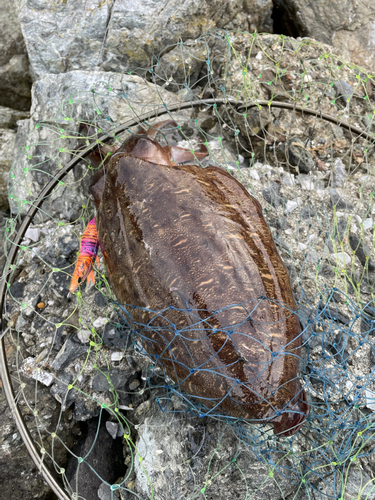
x=79 y=280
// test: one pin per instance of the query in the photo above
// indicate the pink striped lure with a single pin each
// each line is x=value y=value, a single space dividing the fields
x=88 y=252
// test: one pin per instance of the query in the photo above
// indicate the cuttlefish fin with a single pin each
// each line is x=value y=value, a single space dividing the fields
x=181 y=155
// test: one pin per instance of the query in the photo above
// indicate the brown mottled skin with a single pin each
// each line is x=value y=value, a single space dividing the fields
x=187 y=236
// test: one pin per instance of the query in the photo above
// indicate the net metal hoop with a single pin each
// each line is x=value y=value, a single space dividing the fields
x=4 y=369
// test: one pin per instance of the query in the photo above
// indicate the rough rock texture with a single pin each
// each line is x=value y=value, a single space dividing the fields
x=118 y=35
x=19 y=477
x=55 y=101
x=175 y=445
x=348 y=25
x=15 y=81
x=7 y=142
x=9 y=117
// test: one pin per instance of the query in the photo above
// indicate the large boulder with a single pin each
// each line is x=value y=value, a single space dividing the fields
x=349 y=25
x=15 y=81
x=123 y=36
x=46 y=142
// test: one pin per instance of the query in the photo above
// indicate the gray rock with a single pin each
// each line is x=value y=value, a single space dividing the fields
x=7 y=143
x=306 y=182
x=182 y=64
x=118 y=36
x=307 y=212
x=105 y=493
x=33 y=234
x=312 y=256
x=68 y=246
x=116 y=337
x=339 y=174
x=68 y=353
x=291 y=205
x=272 y=194
x=169 y=444
x=100 y=300
x=288 y=179
x=280 y=223
x=362 y=251
x=326 y=270
x=103 y=461
x=17 y=290
x=343 y=91
x=339 y=202
x=85 y=410
x=61 y=392
x=348 y=26
x=9 y=117
x=118 y=379
x=341 y=229
x=298 y=156
x=61 y=279
x=51 y=96
x=114 y=429
x=15 y=81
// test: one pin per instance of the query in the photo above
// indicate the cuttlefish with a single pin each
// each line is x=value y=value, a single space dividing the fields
x=193 y=243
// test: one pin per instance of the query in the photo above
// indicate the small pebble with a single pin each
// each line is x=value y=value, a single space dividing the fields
x=134 y=385
x=291 y=205
x=339 y=174
x=112 y=428
x=367 y=224
x=254 y=174
x=33 y=234
x=117 y=356
x=99 y=322
x=40 y=305
x=342 y=258
x=288 y=179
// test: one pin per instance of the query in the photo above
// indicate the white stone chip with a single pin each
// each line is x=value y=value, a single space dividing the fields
x=341 y=258
x=311 y=238
x=99 y=322
x=291 y=205
x=112 y=428
x=254 y=174
x=288 y=179
x=368 y=223
x=302 y=246
x=306 y=183
x=370 y=400
x=339 y=173
x=84 y=336
x=117 y=356
x=43 y=377
x=33 y=234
